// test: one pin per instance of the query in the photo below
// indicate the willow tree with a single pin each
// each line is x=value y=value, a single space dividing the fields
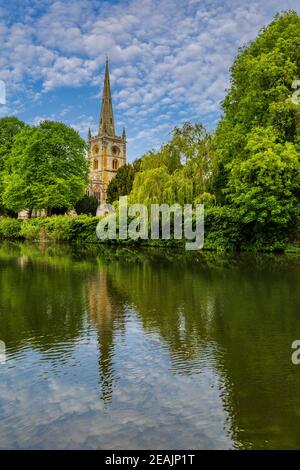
x=179 y=171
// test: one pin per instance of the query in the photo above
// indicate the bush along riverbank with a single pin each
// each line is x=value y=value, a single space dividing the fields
x=223 y=232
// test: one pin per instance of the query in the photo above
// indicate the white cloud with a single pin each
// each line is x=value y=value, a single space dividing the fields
x=163 y=54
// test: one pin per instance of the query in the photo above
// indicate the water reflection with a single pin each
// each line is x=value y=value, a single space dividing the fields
x=199 y=344
x=106 y=313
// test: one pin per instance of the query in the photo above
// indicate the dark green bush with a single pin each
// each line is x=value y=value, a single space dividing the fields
x=222 y=229
x=57 y=227
x=10 y=228
x=223 y=232
x=83 y=229
x=87 y=205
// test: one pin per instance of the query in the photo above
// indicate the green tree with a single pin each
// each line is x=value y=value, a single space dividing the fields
x=122 y=183
x=265 y=187
x=189 y=147
x=45 y=169
x=180 y=171
x=9 y=128
x=149 y=186
x=196 y=151
x=260 y=94
x=87 y=205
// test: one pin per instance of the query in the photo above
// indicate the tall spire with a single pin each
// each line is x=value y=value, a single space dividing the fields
x=106 y=125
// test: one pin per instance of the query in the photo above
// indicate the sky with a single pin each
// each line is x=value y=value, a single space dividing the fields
x=169 y=61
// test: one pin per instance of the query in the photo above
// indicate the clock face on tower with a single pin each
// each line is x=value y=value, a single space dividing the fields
x=115 y=150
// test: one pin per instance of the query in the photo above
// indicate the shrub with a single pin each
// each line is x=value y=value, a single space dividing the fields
x=83 y=229
x=30 y=229
x=87 y=205
x=222 y=229
x=10 y=228
x=58 y=227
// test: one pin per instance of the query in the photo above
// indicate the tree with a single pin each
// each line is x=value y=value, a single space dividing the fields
x=260 y=94
x=121 y=184
x=189 y=147
x=179 y=172
x=196 y=149
x=87 y=205
x=9 y=128
x=149 y=186
x=45 y=169
x=265 y=188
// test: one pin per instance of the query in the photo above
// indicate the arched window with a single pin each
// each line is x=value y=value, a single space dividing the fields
x=95 y=165
x=115 y=164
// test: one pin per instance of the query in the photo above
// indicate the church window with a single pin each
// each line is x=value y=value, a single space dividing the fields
x=95 y=165
x=95 y=148
x=115 y=164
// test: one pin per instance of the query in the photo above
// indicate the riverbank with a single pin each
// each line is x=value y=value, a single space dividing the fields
x=223 y=232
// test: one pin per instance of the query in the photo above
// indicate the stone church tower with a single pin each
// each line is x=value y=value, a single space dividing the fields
x=106 y=150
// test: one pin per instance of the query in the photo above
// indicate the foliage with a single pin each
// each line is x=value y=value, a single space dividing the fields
x=83 y=229
x=46 y=168
x=260 y=95
x=247 y=174
x=265 y=188
x=87 y=205
x=225 y=231
x=122 y=183
x=10 y=228
x=9 y=128
x=207 y=199
x=178 y=172
x=31 y=228
x=61 y=228
x=222 y=229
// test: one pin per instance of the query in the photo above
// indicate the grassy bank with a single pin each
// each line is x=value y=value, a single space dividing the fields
x=223 y=232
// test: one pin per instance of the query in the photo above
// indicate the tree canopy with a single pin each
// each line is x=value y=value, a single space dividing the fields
x=45 y=169
x=179 y=172
x=249 y=166
x=260 y=94
x=9 y=128
x=121 y=184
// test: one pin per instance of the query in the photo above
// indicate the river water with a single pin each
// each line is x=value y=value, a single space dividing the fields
x=125 y=349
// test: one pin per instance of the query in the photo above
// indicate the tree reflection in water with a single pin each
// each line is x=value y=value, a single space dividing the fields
x=236 y=315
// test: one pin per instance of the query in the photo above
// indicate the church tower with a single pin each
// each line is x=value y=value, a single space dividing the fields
x=106 y=150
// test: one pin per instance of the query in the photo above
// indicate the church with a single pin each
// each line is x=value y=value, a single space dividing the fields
x=106 y=150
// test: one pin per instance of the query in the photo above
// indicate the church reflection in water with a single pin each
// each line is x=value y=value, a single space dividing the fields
x=202 y=319
x=234 y=317
x=106 y=314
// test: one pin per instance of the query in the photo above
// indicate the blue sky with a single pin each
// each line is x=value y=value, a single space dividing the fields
x=169 y=60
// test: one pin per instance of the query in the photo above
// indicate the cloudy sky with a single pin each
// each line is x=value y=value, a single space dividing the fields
x=169 y=60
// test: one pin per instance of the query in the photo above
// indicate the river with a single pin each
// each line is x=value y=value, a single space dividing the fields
x=124 y=349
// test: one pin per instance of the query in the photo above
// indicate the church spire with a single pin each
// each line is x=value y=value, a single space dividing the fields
x=106 y=126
